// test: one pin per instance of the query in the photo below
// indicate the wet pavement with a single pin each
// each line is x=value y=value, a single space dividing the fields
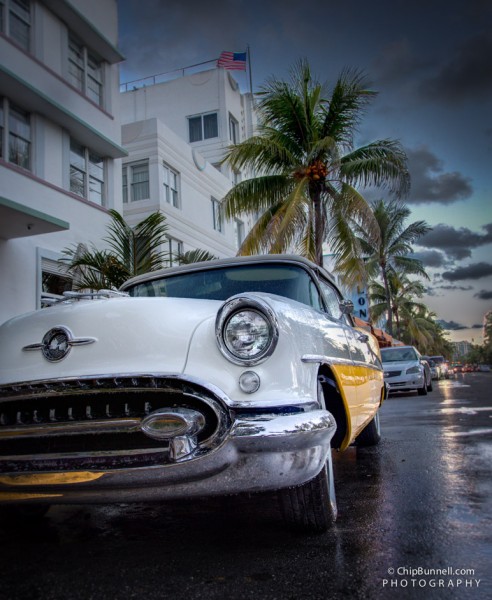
x=415 y=521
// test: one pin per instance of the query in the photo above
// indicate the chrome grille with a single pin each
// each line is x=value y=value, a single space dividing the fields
x=388 y=374
x=83 y=423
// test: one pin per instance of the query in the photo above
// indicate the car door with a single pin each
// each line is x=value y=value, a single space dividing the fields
x=366 y=378
x=345 y=370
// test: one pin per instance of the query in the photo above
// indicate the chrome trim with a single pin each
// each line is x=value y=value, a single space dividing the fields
x=64 y=428
x=185 y=445
x=268 y=453
x=70 y=296
x=244 y=302
x=360 y=363
x=58 y=386
x=325 y=360
x=319 y=358
x=49 y=352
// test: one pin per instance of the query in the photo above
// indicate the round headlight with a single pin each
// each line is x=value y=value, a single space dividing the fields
x=246 y=330
x=247 y=334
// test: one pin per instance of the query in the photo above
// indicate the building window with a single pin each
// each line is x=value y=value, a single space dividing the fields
x=217 y=215
x=233 y=130
x=86 y=173
x=203 y=127
x=171 y=183
x=175 y=250
x=85 y=71
x=15 y=21
x=239 y=232
x=15 y=134
x=136 y=182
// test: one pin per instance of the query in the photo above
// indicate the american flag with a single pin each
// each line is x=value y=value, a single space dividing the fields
x=235 y=61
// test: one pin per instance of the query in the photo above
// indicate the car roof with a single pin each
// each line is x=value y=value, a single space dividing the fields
x=391 y=348
x=289 y=259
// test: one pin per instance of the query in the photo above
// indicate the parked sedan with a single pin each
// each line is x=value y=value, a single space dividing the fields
x=403 y=369
x=237 y=375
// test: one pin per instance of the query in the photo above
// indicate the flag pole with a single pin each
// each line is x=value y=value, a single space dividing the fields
x=250 y=72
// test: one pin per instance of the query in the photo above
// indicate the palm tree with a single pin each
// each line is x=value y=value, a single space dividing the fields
x=403 y=291
x=309 y=168
x=194 y=256
x=422 y=330
x=389 y=251
x=133 y=251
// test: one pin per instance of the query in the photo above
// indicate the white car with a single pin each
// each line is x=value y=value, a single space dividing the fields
x=404 y=370
x=229 y=376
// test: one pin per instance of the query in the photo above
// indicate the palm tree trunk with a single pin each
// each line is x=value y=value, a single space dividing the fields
x=397 y=320
x=318 y=227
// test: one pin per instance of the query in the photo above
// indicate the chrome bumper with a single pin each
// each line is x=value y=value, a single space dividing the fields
x=260 y=453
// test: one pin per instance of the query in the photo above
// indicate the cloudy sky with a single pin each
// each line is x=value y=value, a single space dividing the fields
x=430 y=63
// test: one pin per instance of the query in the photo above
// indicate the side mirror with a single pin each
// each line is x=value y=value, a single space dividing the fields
x=346 y=307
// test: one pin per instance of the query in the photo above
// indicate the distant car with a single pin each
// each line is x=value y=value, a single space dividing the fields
x=443 y=365
x=458 y=368
x=484 y=368
x=403 y=369
x=435 y=369
x=228 y=376
x=427 y=373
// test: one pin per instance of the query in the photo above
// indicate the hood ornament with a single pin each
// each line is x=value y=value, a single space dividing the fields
x=57 y=343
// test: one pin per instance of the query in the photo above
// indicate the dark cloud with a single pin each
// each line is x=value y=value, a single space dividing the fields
x=455 y=287
x=159 y=36
x=438 y=290
x=457 y=243
x=466 y=75
x=472 y=271
x=398 y=63
x=484 y=295
x=431 y=258
x=429 y=181
x=451 y=325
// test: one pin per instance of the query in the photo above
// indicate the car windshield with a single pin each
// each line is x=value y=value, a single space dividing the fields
x=222 y=283
x=398 y=354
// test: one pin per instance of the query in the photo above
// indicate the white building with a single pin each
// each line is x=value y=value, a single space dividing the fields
x=176 y=133
x=61 y=132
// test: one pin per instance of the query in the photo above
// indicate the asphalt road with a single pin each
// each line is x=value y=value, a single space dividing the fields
x=415 y=517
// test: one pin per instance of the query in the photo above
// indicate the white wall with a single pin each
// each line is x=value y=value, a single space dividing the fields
x=192 y=223
x=36 y=81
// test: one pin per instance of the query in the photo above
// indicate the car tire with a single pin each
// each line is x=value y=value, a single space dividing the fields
x=423 y=390
x=371 y=434
x=311 y=507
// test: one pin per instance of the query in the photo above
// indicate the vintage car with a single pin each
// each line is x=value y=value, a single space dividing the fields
x=228 y=376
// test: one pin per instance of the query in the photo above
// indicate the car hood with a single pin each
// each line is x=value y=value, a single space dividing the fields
x=108 y=336
x=400 y=365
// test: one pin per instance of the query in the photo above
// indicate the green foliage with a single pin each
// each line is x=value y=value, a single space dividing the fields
x=308 y=168
x=133 y=251
x=387 y=253
x=194 y=256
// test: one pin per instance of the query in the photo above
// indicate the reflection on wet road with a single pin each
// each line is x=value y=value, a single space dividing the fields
x=415 y=516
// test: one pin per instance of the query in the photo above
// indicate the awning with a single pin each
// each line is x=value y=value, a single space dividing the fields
x=17 y=220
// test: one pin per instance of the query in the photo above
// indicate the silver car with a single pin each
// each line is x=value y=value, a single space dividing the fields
x=404 y=370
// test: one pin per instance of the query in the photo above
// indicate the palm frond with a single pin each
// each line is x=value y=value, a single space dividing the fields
x=380 y=164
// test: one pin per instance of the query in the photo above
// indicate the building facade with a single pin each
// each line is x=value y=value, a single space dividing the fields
x=60 y=167
x=176 y=134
